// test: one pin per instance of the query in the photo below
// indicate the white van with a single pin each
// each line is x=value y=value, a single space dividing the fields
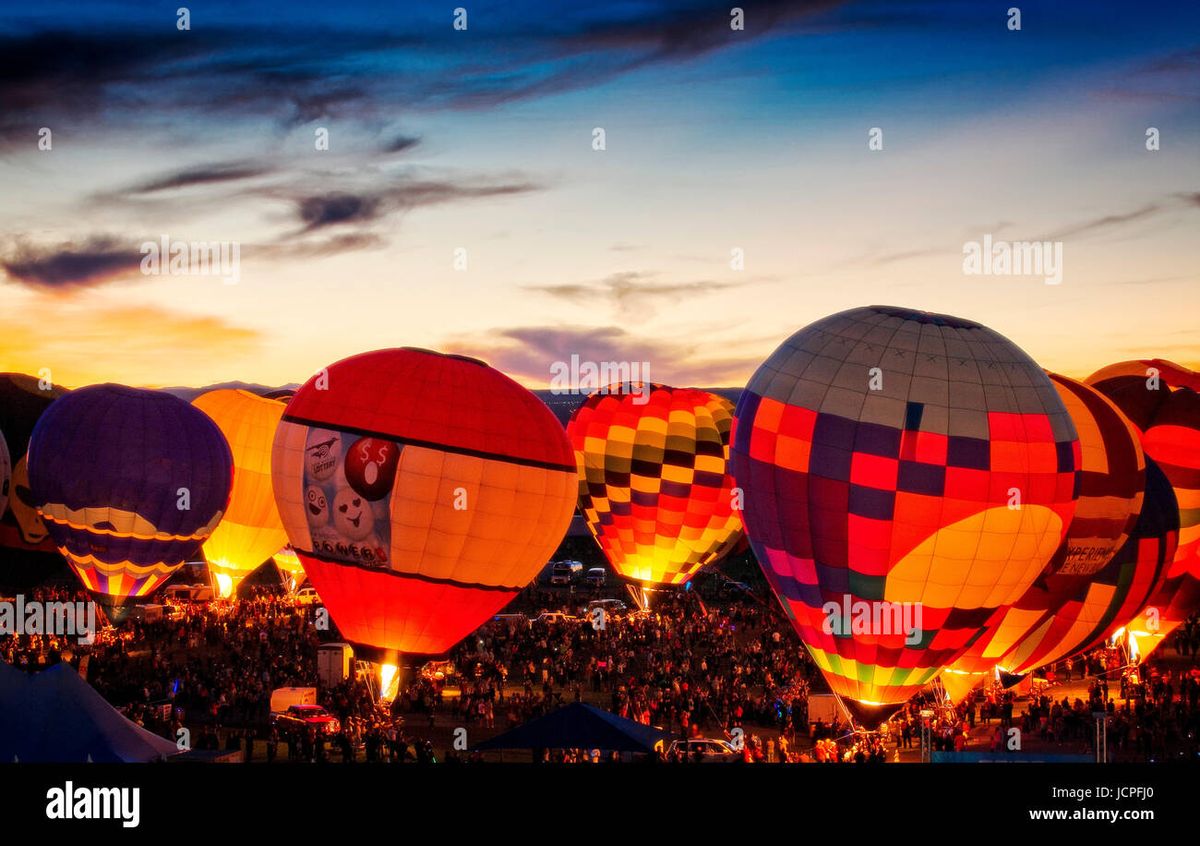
x=283 y=698
x=596 y=577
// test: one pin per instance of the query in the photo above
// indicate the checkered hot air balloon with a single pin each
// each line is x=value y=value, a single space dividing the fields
x=1111 y=483
x=654 y=485
x=421 y=492
x=1162 y=401
x=251 y=531
x=129 y=483
x=898 y=463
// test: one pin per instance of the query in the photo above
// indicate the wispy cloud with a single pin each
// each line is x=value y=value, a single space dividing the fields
x=528 y=353
x=631 y=292
x=206 y=174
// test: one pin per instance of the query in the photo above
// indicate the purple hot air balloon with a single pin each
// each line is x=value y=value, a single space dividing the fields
x=130 y=483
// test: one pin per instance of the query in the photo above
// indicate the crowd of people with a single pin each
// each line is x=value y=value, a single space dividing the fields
x=729 y=670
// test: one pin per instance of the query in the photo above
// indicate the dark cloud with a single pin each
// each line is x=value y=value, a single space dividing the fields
x=334 y=209
x=400 y=143
x=71 y=265
x=405 y=193
x=70 y=80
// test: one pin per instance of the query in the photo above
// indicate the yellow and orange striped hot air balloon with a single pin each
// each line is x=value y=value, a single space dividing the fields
x=251 y=531
x=1162 y=400
x=1111 y=482
x=654 y=485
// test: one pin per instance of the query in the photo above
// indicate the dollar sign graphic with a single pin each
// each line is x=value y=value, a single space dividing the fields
x=370 y=468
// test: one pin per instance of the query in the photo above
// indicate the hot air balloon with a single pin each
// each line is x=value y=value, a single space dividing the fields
x=1162 y=401
x=5 y=473
x=22 y=401
x=130 y=483
x=1111 y=483
x=906 y=474
x=421 y=491
x=1106 y=600
x=291 y=571
x=654 y=485
x=31 y=528
x=251 y=531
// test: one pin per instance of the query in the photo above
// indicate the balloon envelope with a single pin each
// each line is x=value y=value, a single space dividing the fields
x=654 y=485
x=251 y=531
x=22 y=401
x=1107 y=600
x=1112 y=478
x=422 y=492
x=130 y=483
x=5 y=473
x=1161 y=400
x=898 y=462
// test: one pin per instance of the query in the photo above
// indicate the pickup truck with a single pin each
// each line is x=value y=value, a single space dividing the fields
x=303 y=717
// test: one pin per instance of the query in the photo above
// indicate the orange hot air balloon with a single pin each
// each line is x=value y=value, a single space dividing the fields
x=1162 y=401
x=1111 y=483
x=421 y=492
x=906 y=475
x=251 y=531
x=654 y=484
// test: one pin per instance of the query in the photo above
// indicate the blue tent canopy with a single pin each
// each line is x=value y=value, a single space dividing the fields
x=56 y=717
x=579 y=726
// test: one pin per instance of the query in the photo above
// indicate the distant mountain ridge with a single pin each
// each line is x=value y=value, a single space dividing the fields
x=190 y=394
x=561 y=405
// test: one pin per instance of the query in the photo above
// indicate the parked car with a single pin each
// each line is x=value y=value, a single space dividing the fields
x=565 y=572
x=610 y=606
x=302 y=717
x=596 y=577
x=708 y=750
x=553 y=617
x=308 y=596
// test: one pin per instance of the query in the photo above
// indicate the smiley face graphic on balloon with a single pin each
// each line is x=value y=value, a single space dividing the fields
x=316 y=506
x=352 y=515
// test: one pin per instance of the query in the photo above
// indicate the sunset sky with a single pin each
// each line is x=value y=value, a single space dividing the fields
x=482 y=139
